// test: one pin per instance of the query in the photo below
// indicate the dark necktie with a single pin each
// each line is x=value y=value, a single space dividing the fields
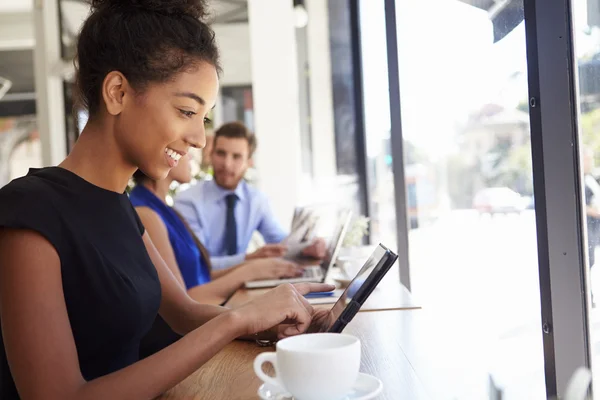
x=231 y=226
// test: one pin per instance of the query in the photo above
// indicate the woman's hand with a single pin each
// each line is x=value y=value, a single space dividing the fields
x=270 y=268
x=286 y=306
x=321 y=322
x=268 y=250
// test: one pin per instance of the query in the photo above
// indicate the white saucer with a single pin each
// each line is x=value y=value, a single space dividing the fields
x=366 y=387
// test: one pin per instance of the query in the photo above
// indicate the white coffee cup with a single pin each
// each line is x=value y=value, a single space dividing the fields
x=319 y=366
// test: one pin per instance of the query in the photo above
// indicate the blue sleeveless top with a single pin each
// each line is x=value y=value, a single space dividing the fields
x=189 y=259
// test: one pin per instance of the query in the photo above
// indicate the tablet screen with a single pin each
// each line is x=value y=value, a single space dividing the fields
x=361 y=281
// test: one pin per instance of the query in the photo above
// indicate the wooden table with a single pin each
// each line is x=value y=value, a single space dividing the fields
x=230 y=376
x=390 y=294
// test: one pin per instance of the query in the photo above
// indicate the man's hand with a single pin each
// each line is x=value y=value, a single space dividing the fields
x=268 y=250
x=317 y=249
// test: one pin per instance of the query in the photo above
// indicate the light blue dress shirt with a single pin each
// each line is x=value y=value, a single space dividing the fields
x=205 y=209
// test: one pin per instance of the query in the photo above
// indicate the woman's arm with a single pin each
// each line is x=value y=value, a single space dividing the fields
x=258 y=268
x=206 y=294
x=182 y=313
x=218 y=290
x=39 y=342
x=218 y=273
x=157 y=230
x=222 y=288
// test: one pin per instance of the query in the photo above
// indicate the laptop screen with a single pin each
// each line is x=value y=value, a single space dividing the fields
x=336 y=241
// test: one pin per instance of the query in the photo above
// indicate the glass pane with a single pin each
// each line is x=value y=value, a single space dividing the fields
x=20 y=146
x=587 y=52
x=473 y=249
x=377 y=123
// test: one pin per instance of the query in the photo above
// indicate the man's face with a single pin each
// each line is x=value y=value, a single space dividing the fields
x=230 y=159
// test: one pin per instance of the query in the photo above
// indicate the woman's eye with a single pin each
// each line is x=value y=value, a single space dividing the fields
x=188 y=114
x=207 y=121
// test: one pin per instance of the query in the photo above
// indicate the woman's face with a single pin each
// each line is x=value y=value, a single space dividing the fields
x=182 y=173
x=155 y=128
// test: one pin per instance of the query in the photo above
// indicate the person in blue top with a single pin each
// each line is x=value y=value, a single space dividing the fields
x=184 y=253
x=226 y=211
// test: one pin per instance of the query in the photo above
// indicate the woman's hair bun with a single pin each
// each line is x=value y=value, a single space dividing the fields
x=194 y=8
x=148 y=41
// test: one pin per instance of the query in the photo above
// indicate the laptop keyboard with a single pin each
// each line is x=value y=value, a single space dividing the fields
x=310 y=273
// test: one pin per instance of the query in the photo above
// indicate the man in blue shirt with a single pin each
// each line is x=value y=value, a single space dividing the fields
x=225 y=212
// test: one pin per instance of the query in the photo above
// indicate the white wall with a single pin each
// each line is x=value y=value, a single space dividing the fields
x=16 y=31
x=321 y=101
x=276 y=103
x=234 y=45
x=9 y=6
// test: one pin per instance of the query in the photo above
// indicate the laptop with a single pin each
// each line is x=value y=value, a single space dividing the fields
x=361 y=287
x=314 y=273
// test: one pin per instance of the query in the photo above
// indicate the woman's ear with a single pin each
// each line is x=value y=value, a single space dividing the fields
x=114 y=89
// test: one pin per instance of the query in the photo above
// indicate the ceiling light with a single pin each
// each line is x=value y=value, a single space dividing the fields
x=300 y=16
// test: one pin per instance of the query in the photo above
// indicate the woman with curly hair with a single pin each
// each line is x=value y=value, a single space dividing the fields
x=80 y=280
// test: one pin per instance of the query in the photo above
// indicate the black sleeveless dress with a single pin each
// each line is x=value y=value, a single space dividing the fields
x=111 y=287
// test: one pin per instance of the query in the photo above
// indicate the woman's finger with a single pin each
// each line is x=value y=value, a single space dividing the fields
x=302 y=319
x=305 y=288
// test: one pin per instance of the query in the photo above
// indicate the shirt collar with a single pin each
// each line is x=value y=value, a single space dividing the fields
x=216 y=193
